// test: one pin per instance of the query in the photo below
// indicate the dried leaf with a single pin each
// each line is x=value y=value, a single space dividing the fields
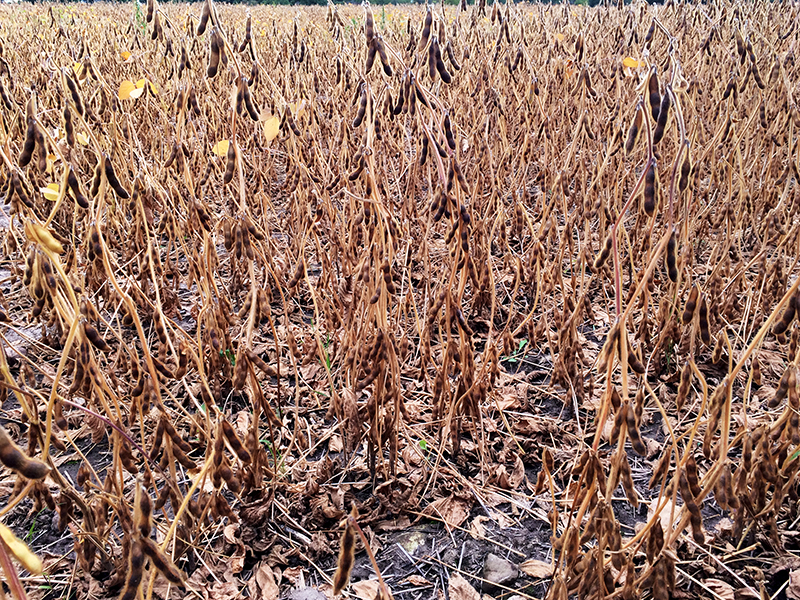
x=125 y=89
x=793 y=590
x=221 y=147
x=366 y=589
x=518 y=474
x=538 y=569
x=721 y=588
x=265 y=580
x=271 y=127
x=460 y=589
x=476 y=528
x=452 y=510
x=51 y=192
x=416 y=580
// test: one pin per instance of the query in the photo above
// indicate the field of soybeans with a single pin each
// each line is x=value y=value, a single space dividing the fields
x=429 y=301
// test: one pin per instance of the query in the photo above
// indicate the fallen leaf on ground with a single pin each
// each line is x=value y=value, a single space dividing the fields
x=476 y=528
x=265 y=579
x=538 y=569
x=453 y=511
x=793 y=591
x=723 y=589
x=366 y=589
x=460 y=589
x=416 y=580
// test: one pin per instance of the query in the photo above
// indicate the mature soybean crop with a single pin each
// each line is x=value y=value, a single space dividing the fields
x=252 y=253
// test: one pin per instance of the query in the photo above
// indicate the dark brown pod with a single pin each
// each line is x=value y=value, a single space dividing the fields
x=650 y=189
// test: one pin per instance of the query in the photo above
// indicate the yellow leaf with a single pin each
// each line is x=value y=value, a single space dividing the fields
x=298 y=109
x=40 y=234
x=51 y=192
x=20 y=551
x=125 y=89
x=153 y=89
x=77 y=68
x=560 y=37
x=630 y=62
x=221 y=148
x=271 y=127
x=82 y=138
x=125 y=55
x=140 y=83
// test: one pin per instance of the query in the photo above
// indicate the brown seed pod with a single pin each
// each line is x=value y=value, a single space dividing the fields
x=788 y=379
x=683 y=388
x=787 y=317
x=719 y=346
x=214 y=56
x=97 y=178
x=610 y=349
x=135 y=570
x=691 y=305
x=627 y=482
x=655 y=541
x=660 y=470
x=74 y=94
x=204 y=16
x=142 y=510
x=633 y=360
x=14 y=458
x=448 y=132
x=654 y=95
x=451 y=56
x=663 y=116
x=671 y=257
x=347 y=548
x=696 y=519
x=161 y=561
x=94 y=337
x=235 y=442
x=692 y=477
x=756 y=372
x=604 y=253
x=29 y=145
x=686 y=169
x=757 y=76
x=633 y=132
x=633 y=432
x=230 y=163
x=184 y=460
x=372 y=52
x=438 y=62
x=650 y=189
x=705 y=334
x=369 y=24
x=111 y=177
x=362 y=108
x=74 y=186
x=619 y=419
x=426 y=29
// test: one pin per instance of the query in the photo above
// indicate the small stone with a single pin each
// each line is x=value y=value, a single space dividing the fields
x=498 y=571
x=307 y=593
